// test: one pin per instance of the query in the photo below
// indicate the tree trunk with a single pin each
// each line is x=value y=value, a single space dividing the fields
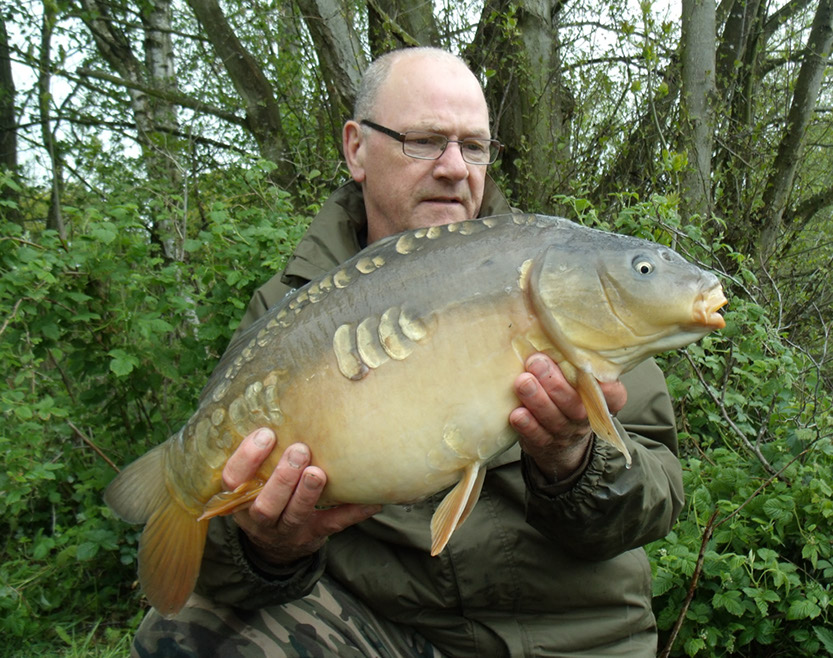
x=8 y=120
x=529 y=100
x=780 y=182
x=698 y=90
x=54 y=216
x=634 y=168
x=262 y=111
x=400 y=23
x=332 y=27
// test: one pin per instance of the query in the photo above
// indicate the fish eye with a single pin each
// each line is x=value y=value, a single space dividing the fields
x=643 y=265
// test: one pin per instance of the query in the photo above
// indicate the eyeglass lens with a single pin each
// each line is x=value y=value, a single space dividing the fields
x=430 y=146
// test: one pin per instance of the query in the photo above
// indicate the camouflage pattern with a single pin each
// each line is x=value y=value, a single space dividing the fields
x=328 y=622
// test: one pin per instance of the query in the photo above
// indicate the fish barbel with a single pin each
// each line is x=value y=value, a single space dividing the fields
x=397 y=370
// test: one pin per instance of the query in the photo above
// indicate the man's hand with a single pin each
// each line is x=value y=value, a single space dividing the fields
x=552 y=422
x=282 y=522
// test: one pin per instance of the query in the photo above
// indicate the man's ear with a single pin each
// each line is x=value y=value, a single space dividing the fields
x=352 y=139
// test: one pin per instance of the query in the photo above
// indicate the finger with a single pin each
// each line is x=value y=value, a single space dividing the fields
x=247 y=459
x=281 y=485
x=615 y=394
x=556 y=387
x=544 y=410
x=301 y=505
x=529 y=429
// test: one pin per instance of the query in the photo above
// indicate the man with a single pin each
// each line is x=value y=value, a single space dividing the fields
x=548 y=563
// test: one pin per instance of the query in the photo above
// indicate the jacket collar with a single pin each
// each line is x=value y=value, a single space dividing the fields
x=337 y=231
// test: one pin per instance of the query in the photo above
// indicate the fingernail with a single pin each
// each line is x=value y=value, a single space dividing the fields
x=297 y=457
x=263 y=438
x=370 y=510
x=528 y=387
x=539 y=367
x=520 y=421
x=312 y=481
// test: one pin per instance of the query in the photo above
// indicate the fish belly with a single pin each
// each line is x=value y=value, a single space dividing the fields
x=409 y=428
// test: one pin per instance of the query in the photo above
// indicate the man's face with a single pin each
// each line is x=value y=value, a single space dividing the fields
x=400 y=192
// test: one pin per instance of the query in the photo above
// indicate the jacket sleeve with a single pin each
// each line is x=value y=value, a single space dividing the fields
x=610 y=508
x=232 y=575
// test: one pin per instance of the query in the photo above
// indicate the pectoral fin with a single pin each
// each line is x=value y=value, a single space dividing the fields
x=456 y=506
x=226 y=502
x=598 y=414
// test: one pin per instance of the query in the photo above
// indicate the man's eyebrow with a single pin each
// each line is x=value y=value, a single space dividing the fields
x=432 y=128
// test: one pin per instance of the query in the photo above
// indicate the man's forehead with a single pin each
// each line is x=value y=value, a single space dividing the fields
x=428 y=91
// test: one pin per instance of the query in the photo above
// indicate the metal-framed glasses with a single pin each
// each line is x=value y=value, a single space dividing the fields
x=430 y=146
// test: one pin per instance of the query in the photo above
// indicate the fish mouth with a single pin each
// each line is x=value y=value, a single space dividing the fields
x=706 y=307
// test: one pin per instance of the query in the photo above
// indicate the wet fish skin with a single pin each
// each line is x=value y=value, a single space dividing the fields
x=401 y=362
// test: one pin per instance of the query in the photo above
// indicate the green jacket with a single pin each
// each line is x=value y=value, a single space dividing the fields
x=537 y=569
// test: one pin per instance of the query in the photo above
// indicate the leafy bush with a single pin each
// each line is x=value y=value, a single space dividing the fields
x=748 y=569
x=106 y=343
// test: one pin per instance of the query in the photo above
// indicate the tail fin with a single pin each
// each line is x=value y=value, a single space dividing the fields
x=139 y=490
x=171 y=547
x=170 y=553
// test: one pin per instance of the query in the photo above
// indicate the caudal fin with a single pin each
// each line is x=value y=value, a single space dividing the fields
x=172 y=544
x=456 y=506
x=170 y=553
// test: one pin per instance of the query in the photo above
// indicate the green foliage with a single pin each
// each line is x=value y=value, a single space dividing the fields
x=755 y=430
x=106 y=342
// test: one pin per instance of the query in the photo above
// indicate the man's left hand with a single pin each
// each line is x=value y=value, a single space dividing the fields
x=552 y=423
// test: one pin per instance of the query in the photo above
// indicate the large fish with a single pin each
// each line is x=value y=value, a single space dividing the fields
x=397 y=370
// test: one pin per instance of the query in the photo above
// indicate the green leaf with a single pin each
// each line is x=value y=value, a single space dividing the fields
x=825 y=636
x=694 y=645
x=122 y=363
x=86 y=551
x=729 y=601
x=803 y=609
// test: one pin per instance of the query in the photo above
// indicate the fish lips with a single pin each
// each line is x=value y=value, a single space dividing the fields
x=705 y=312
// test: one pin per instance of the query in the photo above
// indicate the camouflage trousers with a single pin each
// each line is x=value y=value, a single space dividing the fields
x=328 y=622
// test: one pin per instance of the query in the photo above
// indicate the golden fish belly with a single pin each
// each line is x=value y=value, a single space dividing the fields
x=408 y=428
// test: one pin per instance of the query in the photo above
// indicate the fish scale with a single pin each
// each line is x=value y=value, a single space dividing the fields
x=397 y=370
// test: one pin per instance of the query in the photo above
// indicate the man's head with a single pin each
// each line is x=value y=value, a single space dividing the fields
x=418 y=89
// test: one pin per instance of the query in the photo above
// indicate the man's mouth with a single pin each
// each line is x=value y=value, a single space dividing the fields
x=445 y=200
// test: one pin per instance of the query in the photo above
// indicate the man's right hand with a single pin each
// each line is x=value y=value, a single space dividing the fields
x=282 y=523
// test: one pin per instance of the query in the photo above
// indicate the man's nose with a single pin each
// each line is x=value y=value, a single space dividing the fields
x=451 y=164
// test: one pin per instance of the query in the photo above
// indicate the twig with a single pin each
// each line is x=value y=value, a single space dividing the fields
x=755 y=450
x=695 y=577
x=711 y=526
x=92 y=445
x=11 y=317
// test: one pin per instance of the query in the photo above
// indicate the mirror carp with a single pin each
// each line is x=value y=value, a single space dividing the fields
x=397 y=370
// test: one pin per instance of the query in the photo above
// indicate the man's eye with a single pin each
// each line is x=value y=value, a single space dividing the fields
x=475 y=147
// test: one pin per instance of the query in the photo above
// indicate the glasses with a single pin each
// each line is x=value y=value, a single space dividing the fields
x=430 y=146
